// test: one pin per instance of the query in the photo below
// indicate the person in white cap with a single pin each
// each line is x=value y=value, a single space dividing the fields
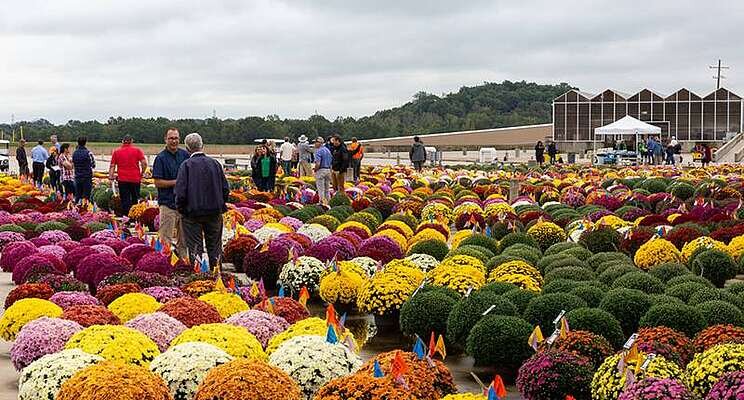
x=306 y=154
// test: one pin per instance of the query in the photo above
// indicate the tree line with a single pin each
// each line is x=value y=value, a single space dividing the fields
x=490 y=105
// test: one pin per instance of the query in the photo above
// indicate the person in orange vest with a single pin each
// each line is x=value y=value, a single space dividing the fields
x=356 y=150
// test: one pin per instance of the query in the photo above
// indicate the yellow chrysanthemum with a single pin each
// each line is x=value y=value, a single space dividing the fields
x=460 y=236
x=234 y=340
x=24 y=311
x=655 y=252
x=400 y=225
x=131 y=305
x=458 y=278
x=736 y=247
x=427 y=234
x=226 y=304
x=354 y=224
x=701 y=242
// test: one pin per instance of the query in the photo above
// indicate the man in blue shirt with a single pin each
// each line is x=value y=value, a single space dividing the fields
x=39 y=155
x=323 y=161
x=165 y=172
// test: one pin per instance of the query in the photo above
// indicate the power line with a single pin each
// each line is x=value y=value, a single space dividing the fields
x=718 y=75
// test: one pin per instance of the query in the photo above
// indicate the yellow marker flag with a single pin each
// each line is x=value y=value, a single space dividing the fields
x=536 y=338
x=564 y=328
x=219 y=286
x=254 y=290
x=439 y=348
x=173 y=259
x=633 y=355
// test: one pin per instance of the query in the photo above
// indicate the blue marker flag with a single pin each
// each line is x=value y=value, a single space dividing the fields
x=158 y=245
x=123 y=236
x=418 y=348
x=281 y=291
x=204 y=266
x=378 y=370
x=488 y=231
x=110 y=227
x=492 y=394
x=331 y=335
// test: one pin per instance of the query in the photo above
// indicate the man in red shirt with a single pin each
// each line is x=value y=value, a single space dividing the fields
x=128 y=164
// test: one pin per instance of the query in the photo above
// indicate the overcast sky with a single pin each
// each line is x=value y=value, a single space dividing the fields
x=85 y=59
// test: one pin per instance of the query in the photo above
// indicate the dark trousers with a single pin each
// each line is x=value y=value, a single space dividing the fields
x=287 y=167
x=83 y=187
x=38 y=172
x=200 y=230
x=418 y=165
x=54 y=180
x=356 y=166
x=69 y=187
x=129 y=192
x=23 y=169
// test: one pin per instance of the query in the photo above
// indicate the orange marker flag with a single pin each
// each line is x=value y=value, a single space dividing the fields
x=398 y=366
x=498 y=385
x=331 y=318
x=432 y=345
x=304 y=296
x=564 y=328
x=231 y=284
x=439 y=348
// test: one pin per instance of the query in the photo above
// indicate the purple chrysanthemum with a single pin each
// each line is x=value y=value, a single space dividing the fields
x=164 y=293
x=69 y=299
x=158 y=326
x=657 y=389
x=261 y=324
x=41 y=337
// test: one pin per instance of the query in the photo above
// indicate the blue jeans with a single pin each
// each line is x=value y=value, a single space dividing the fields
x=287 y=167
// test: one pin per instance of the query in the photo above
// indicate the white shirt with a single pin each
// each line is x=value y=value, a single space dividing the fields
x=285 y=151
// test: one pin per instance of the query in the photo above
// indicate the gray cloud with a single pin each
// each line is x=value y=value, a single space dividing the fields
x=77 y=59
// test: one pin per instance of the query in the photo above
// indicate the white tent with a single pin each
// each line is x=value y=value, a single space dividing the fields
x=626 y=125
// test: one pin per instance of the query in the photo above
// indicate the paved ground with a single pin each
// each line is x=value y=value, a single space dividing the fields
x=8 y=374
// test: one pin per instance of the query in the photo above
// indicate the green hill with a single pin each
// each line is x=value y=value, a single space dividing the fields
x=491 y=105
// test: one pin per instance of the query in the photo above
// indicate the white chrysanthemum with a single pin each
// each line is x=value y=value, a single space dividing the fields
x=316 y=232
x=266 y=233
x=303 y=272
x=311 y=361
x=424 y=262
x=184 y=367
x=369 y=265
x=43 y=377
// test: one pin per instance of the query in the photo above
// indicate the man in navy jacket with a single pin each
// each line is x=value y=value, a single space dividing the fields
x=201 y=194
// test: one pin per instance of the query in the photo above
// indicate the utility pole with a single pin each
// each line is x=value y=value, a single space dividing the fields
x=718 y=75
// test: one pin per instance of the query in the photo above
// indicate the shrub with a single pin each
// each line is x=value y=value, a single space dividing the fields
x=667 y=271
x=611 y=274
x=529 y=253
x=683 y=318
x=664 y=299
x=520 y=298
x=601 y=268
x=710 y=294
x=500 y=341
x=560 y=286
x=426 y=313
x=571 y=273
x=685 y=290
x=559 y=261
x=468 y=311
x=543 y=309
x=579 y=252
x=596 y=321
x=640 y=281
x=498 y=287
x=599 y=258
x=682 y=190
x=482 y=241
x=517 y=237
x=715 y=265
x=720 y=312
x=559 y=248
x=591 y=294
x=627 y=306
x=602 y=239
x=736 y=288
x=433 y=247
x=689 y=278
